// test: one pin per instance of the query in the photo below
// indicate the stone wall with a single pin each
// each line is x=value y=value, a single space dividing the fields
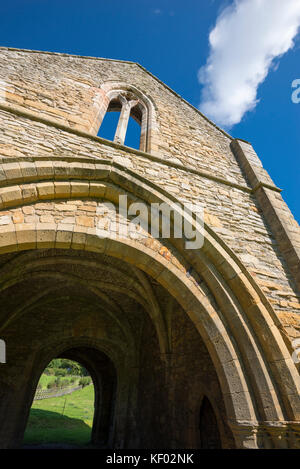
x=231 y=208
x=66 y=90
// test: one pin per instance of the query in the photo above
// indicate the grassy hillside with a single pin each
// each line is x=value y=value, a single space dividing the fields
x=46 y=379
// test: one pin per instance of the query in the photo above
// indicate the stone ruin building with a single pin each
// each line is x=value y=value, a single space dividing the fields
x=187 y=348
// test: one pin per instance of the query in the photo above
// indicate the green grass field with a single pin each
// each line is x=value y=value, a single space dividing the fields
x=66 y=419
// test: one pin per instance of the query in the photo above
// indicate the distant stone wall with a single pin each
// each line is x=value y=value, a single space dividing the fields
x=47 y=393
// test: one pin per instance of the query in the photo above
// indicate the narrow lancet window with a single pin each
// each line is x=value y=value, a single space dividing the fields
x=125 y=121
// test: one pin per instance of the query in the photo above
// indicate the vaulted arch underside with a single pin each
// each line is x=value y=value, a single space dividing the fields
x=169 y=319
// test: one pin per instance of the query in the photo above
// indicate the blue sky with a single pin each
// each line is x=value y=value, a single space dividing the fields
x=171 y=39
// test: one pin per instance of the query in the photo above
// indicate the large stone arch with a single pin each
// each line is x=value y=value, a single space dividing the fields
x=258 y=378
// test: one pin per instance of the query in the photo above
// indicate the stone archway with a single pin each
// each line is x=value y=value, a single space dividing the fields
x=229 y=311
x=71 y=320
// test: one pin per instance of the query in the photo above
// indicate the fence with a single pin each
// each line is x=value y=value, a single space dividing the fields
x=46 y=393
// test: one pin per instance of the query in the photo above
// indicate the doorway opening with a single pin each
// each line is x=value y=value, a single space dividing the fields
x=208 y=425
x=73 y=402
x=62 y=411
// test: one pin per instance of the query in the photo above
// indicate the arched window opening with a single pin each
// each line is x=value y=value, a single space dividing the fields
x=128 y=126
x=109 y=125
x=208 y=426
x=62 y=411
x=133 y=134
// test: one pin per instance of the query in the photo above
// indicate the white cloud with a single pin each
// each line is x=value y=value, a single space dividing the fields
x=247 y=37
